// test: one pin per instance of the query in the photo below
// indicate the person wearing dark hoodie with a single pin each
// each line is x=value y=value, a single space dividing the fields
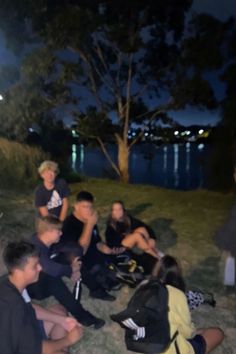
x=50 y=281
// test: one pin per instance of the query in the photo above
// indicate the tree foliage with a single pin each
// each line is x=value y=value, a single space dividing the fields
x=124 y=62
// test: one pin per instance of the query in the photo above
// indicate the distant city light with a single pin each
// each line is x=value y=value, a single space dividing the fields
x=176 y=133
x=146 y=134
x=133 y=133
x=188 y=132
x=1 y=97
x=201 y=131
x=200 y=147
x=31 y=130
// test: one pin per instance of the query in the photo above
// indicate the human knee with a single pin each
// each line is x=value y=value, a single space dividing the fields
x=142 y=230
x=220 y=334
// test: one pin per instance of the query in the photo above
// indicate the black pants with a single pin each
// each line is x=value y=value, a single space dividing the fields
x=48 y=285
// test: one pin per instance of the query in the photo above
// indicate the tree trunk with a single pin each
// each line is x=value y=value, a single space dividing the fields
x=123 y=159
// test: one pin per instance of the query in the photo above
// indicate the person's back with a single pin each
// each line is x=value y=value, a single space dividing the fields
x=182 y=332
x=180 y=320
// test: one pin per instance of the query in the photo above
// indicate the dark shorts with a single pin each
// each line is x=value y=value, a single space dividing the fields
x=198 y=343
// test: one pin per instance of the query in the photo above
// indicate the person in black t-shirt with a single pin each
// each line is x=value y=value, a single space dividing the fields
x=81 y=228
x=20 y=331
x=51 y=196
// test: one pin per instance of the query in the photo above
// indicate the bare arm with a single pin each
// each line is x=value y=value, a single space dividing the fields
x=102 y=247
x=43 y=211
x=64 y=209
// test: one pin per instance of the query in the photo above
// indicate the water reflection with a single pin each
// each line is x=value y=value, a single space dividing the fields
x=176 y=165
x=171 y=166
x=81 y=157
x=74 y=157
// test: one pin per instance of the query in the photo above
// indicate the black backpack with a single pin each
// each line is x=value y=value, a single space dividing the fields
x=145 y=320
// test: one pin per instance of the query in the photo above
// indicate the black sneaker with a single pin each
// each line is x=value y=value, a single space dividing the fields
x=101 y=295
x=92 y=321
x=209 y=299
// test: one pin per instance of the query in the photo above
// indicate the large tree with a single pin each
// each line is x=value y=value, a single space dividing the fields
x=124 y=62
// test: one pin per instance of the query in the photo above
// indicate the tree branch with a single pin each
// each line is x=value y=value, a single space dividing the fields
x=140 y=135
x=106 y=153
x=103 y=148
x=128 y=94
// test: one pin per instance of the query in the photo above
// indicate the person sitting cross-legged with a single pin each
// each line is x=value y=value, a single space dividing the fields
x=189 y=339
x=81 y=229
x=50 y=281
x=20 y=331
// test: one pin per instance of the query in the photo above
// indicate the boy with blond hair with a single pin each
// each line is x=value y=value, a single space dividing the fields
x=51 y=196
x=50 y=281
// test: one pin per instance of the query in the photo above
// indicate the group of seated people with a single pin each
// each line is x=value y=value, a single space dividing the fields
x=67 y=246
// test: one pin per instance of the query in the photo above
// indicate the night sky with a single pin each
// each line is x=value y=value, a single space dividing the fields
x=221 y=9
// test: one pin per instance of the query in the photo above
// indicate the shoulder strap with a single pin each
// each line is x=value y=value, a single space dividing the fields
x=173 y=339
x=145 y=292
x=177 y=348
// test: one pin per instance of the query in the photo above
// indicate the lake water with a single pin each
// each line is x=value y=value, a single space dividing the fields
x=175 y=166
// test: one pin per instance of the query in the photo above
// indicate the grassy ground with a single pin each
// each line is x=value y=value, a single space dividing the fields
x=184 y=223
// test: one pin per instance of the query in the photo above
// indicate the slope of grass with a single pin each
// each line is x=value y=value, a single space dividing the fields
x=19 y=164
x=184 y=222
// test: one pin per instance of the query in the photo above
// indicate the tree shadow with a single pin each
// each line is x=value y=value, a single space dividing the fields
x=206 y=276
x=166 y=237
x=138 y=209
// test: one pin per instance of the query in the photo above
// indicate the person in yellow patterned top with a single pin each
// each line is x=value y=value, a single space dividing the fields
x=189 y=340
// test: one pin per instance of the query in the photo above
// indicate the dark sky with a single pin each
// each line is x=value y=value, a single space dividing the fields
x=221 y=9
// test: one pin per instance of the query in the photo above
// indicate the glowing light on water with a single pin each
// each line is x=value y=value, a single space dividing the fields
x=176 y=164
x=165 y=158
x=81 y=157
x=187 y=156
x=200 y=146
x=74 y=156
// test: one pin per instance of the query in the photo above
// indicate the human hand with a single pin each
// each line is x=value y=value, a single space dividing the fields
x=117 y=250
x=75 y=276
x=76 y=264
x=75 y=334
x=92 y=218
x=69 y=323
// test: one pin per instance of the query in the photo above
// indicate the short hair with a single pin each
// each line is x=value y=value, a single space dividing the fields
x=48 y=165
x=16 y=254
x=84 y=196
x=47 y=223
